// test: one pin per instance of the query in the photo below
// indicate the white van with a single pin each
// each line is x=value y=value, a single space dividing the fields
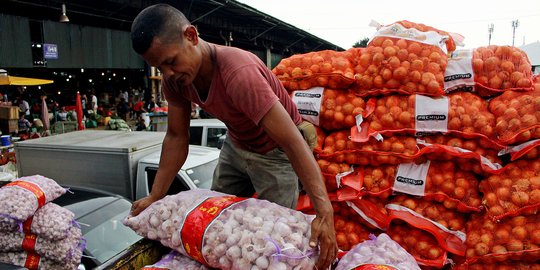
x=197 y=171
x=207 y=132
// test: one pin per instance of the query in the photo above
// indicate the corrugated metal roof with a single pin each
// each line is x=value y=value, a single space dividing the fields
x=216 y=19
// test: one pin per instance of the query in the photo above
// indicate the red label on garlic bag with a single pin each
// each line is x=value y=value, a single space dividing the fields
x=374 y=267
x=32 y=261
x=32 y=188
x=29 y=242
x=27 y=225
x=198 y=219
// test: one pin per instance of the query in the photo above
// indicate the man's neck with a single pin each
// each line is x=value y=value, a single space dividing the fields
x=204 y=79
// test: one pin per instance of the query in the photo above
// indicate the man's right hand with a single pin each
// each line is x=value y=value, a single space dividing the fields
x=141 y=204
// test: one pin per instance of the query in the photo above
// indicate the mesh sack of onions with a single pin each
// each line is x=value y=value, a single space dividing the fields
x=380 y=251
x=24 y=196
x=227 y=232
x=51 y=221
x=68 y=249
x=175 y=260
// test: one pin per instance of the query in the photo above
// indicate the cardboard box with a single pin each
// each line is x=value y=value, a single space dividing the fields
x=9 y=112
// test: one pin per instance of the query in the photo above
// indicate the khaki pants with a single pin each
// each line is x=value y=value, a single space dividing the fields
x=242 y=173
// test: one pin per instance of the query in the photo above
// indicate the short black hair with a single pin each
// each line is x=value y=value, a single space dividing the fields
x=160 y=20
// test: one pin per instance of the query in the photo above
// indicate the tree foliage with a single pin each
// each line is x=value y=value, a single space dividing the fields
x=361 y=43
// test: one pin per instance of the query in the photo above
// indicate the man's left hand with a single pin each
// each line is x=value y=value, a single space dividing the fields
x=309 y=133
x=322 y=232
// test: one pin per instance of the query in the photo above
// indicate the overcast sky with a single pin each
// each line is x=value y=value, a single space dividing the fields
x=343 y=22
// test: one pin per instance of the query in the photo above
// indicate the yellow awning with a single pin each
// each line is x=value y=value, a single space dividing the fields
x=14 y=80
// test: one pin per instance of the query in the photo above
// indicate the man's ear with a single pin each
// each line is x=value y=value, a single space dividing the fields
x=191 y=34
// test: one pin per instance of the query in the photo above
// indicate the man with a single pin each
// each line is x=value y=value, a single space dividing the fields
x=150 y=105
x=93 y=102
x=264 y=147
x=138 y=108
x=24 y=106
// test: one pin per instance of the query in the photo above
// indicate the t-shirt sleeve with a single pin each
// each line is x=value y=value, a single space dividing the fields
x=251 y=92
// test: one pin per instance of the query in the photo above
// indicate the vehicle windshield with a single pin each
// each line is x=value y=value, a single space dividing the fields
x=213 y=136
x=202 y=175
x=109 y=237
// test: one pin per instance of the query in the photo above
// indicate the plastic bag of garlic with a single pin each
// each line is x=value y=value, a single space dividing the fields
x=50 y=221
x=33 y=261
x=68 y=250
x=227 y=232
x=380 y=252
x=24 y=196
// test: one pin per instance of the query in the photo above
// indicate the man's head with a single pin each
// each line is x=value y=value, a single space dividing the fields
x=165 y=39
x=162 y=21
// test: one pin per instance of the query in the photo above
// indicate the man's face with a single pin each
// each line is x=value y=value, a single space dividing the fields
x=179 y=60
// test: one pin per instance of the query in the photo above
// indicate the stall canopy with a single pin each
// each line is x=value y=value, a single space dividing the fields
x=14 y=80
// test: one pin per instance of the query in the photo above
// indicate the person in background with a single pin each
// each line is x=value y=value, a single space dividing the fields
x=23 y=124
x=62 y=114
x=268 y=144
x=138 y=107
x=84 y=103
x=150 y=104
x=122 y=109
x=141 y=124
x=24 y=107
x=125 y=95
x=93 y=102
x=36 y=109
x=136 y=92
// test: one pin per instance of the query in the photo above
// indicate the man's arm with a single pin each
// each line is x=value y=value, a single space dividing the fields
x=173 y=155
x=279 y=126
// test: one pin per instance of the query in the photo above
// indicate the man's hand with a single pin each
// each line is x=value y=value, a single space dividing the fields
x=139 y=205
x=309 y=133
x=322 y=231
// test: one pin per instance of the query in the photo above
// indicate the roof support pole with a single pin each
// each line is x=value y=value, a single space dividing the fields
x=263 y=32
x=208 y=13
x=300 y=39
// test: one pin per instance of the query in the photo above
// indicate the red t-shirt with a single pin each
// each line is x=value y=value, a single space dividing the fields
x=138 y=106
x=243 y=90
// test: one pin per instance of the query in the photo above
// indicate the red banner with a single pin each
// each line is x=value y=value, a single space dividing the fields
x=29 y=242
x=198 y=219
x=374 y=267
x=27 y=225
x=32 y=188
x=32 y=261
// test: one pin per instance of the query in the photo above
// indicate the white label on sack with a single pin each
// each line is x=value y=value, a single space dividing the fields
x=308 y=103
x=359 y=120
x=397 y=30
x=516 y=148
x=483 y=160
x=459 y=73
x=411 y=178
x=431 y=114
